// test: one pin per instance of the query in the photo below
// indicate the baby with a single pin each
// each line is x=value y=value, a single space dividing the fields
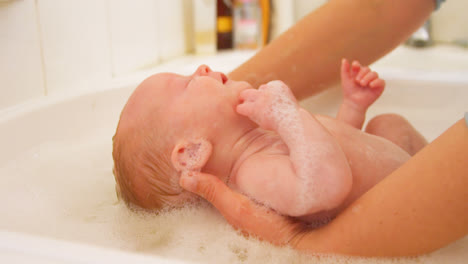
x=258 y=141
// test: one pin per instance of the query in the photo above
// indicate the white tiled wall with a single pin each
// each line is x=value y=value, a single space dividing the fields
x=75 y=43
x=171 y=27
x=450 y=22
x=303 y=7
x=283 y=16
x=133 y=34
x=62 y=46
x=21 y=74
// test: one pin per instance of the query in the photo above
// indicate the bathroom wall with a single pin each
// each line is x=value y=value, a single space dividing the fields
x=21 y=71
x=58 y=46
x=450 y=23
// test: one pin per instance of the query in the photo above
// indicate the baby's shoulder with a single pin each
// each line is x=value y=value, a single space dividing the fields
x=265 y=144
x=261 y=151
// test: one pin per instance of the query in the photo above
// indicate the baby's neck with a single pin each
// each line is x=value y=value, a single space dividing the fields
x=231 y=149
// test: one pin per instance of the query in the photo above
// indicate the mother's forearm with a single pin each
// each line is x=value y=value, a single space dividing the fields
x=307 y=56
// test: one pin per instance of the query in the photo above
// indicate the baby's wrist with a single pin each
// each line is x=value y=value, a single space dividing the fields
x=287 y=119
x=354 y=106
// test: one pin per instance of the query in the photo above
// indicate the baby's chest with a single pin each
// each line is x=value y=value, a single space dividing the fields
x=272 y=145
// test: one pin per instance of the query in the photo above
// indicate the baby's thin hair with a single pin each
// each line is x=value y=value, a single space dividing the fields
x=143 y=172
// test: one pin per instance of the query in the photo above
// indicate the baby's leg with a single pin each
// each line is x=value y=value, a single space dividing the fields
x=361 y=87
x=398 y=130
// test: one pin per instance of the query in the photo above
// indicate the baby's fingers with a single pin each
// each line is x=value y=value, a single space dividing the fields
x=249 y=110
x=244 y=108
x=263 y=87
x=363 y=72
x=249 y=95
x=355 y=68
x=369 y=77
x=377 y=84
x=345 y=68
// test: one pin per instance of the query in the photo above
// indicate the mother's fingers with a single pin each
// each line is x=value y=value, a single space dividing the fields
x=210 y=188
x=240 y=211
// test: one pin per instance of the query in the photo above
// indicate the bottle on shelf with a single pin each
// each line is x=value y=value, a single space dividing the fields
x=224 y=29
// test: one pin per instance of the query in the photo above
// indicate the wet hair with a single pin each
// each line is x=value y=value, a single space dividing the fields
x=143 y=172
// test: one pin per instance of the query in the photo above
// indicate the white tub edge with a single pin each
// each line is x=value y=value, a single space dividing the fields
x=34 y=249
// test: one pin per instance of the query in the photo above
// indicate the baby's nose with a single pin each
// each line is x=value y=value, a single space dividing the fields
x=219 y=76
x=203 y=70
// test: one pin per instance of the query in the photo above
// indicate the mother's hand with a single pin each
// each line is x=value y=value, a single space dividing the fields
x=242 y=213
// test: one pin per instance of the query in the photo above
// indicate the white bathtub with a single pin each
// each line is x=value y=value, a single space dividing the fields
x=57 y=186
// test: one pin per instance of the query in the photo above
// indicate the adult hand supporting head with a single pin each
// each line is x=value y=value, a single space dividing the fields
x=241 y=212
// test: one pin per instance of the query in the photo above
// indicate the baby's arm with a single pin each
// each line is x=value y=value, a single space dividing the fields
x=316 y=175
x=361 y=87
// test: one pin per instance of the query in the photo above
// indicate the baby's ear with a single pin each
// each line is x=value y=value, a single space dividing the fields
x=191 y=154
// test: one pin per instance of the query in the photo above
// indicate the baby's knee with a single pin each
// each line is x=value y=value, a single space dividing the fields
x=386 y=121
x=398 y=130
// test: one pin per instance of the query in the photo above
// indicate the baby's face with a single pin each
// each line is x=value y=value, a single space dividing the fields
x=203 y=101
x=195 y=102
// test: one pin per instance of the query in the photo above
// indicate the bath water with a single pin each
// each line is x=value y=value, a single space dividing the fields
x=66 y=190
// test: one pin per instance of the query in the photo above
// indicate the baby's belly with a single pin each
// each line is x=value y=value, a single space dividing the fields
x=371 y=158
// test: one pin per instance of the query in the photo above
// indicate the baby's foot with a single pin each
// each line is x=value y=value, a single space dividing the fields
x=268 y=105
x=360 y=85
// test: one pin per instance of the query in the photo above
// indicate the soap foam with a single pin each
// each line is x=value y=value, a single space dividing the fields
x=307 y=155
x=193 y=156
x=66 y=190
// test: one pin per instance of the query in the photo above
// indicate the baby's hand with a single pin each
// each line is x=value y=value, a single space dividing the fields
x=268 y=105
x=360 y=85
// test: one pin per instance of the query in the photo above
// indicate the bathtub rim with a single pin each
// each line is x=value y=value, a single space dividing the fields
x=31 y=248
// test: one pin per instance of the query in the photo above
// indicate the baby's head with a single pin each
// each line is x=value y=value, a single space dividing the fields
x=170 y=125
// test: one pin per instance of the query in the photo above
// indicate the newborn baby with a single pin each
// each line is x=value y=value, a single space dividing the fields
x=258 y=141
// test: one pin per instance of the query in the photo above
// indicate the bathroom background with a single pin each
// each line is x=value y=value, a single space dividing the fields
x=49 y=46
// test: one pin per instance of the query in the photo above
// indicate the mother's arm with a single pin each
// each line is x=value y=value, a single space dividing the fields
x=417 y=209
x=307 y=57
